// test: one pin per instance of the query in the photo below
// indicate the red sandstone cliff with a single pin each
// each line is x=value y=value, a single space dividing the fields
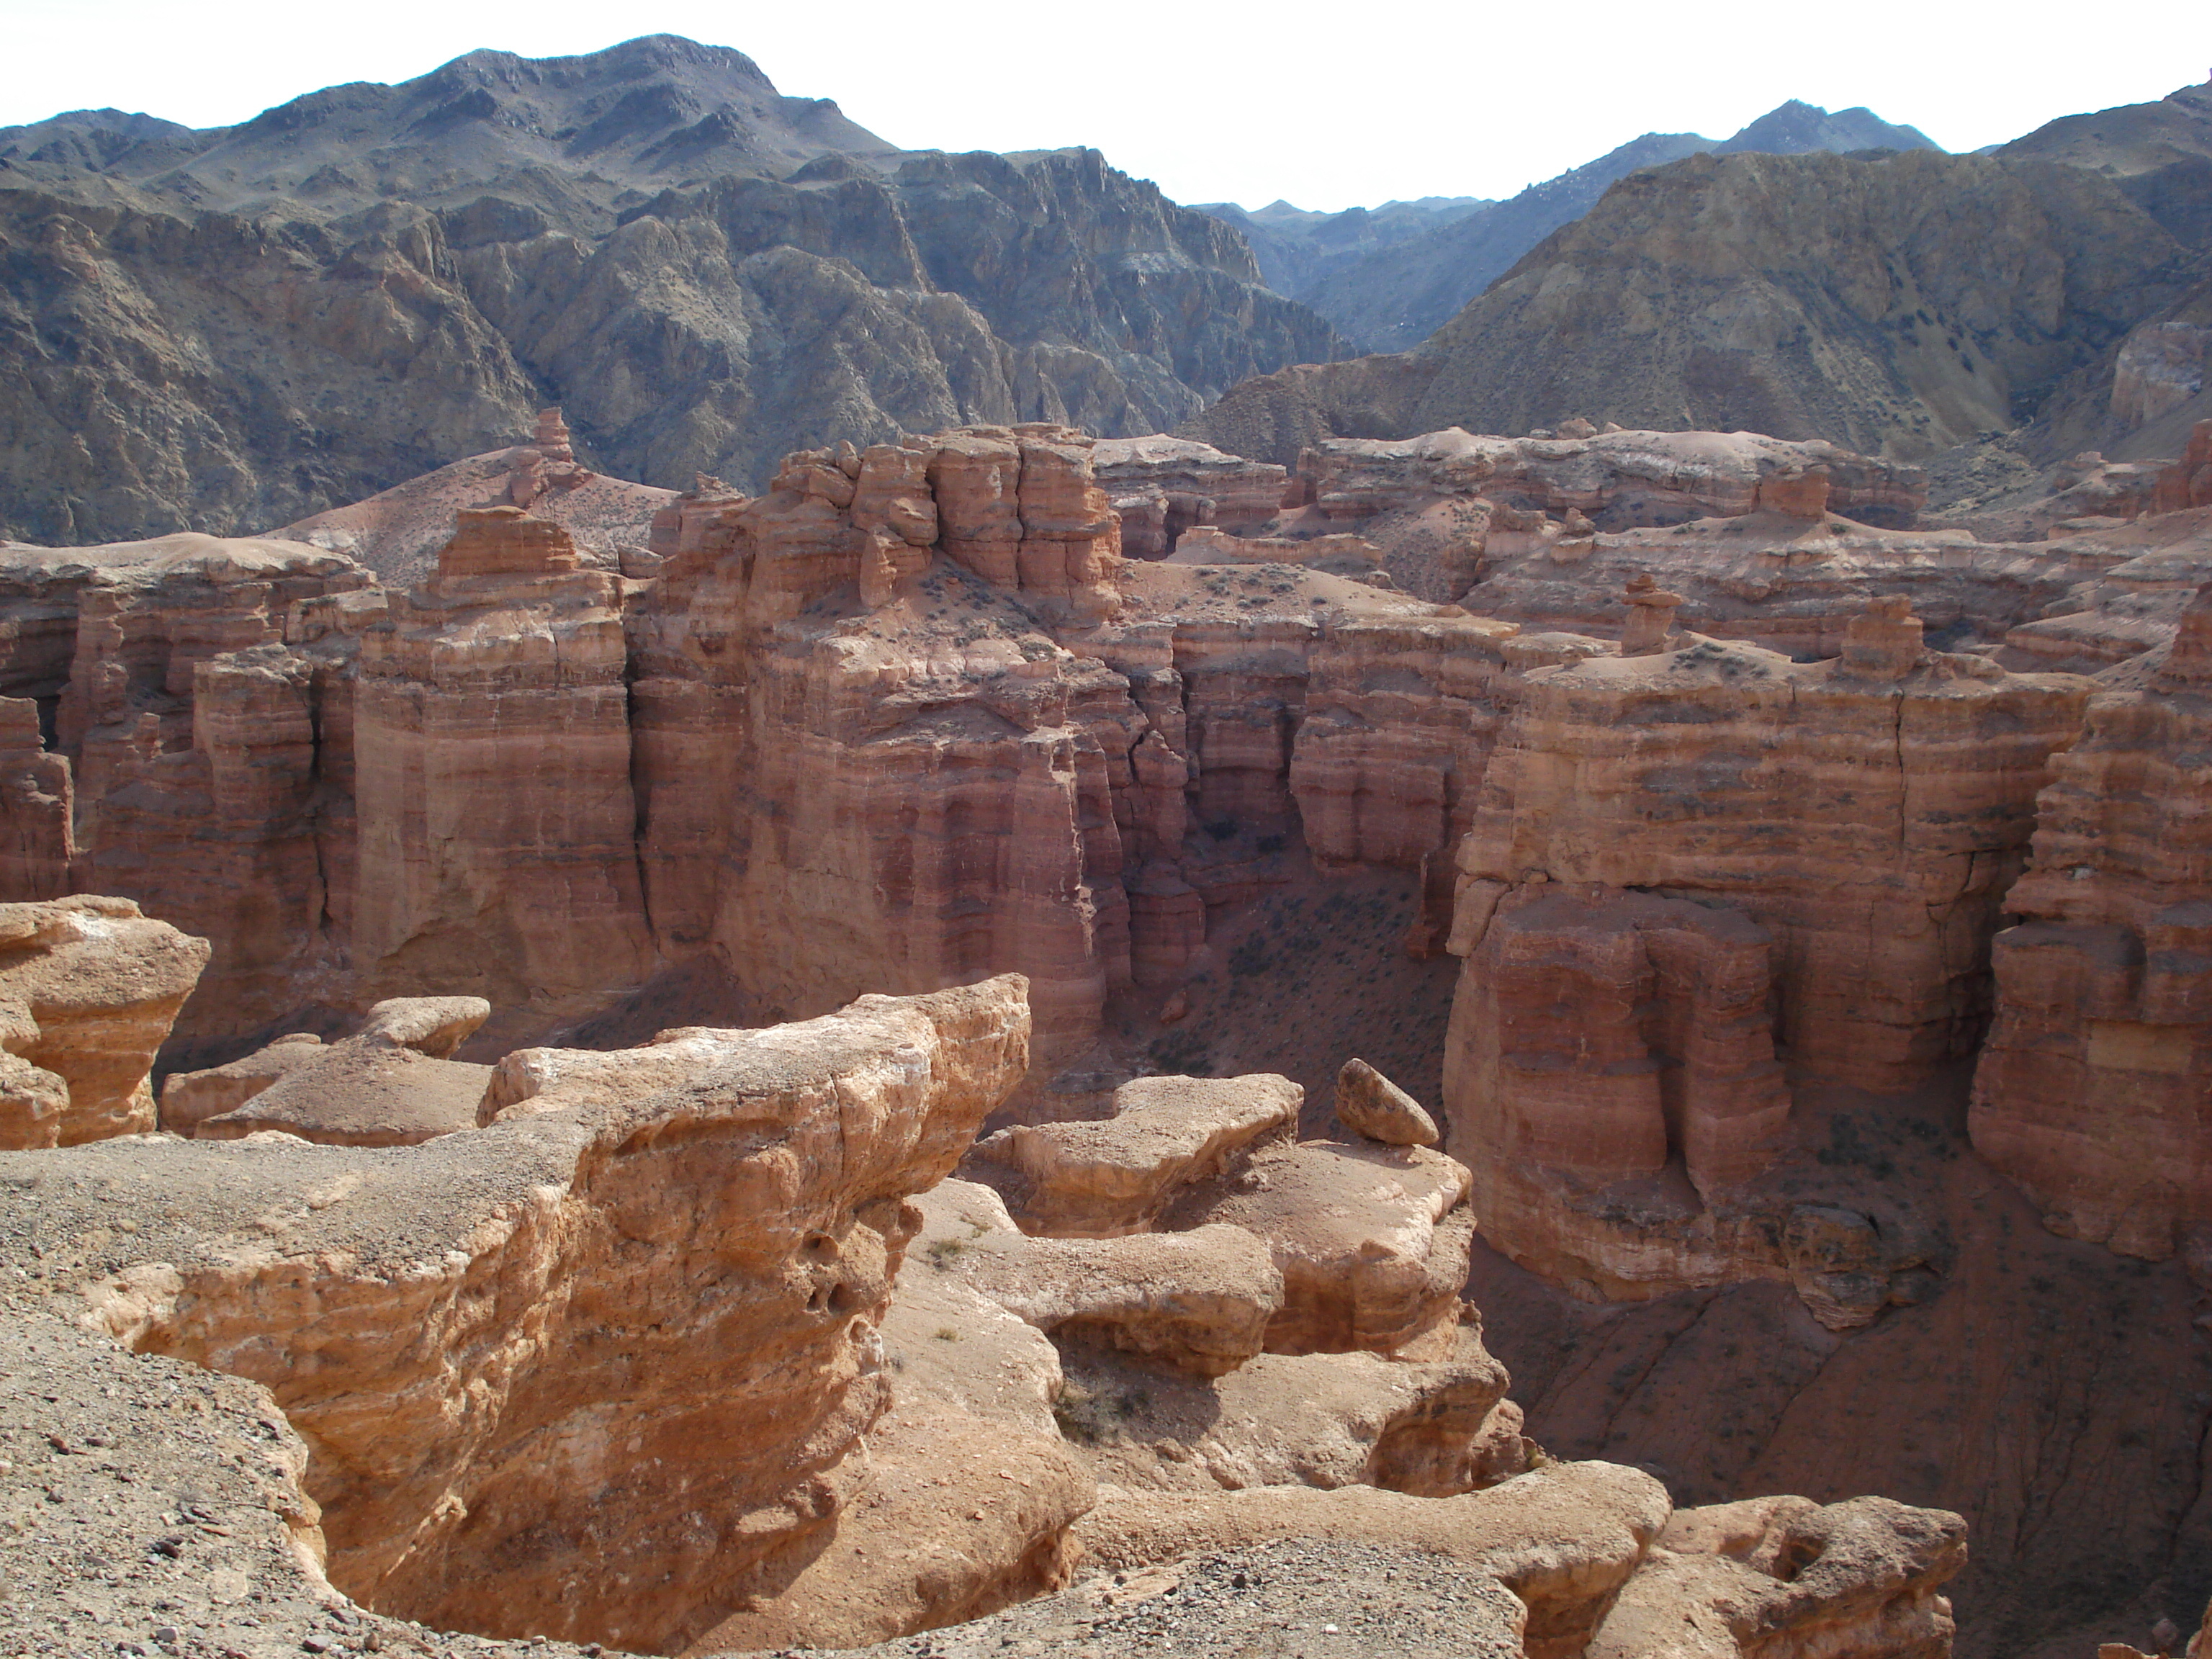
x=2090 y=1092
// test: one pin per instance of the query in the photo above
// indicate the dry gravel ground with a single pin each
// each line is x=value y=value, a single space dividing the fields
x=143 y=1511
x=1290 y=1600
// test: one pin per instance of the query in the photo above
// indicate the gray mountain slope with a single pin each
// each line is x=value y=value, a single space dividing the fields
x=1398 y=296
x=227 y=330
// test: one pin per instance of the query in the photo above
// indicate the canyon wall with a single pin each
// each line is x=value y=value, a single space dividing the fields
x=1691 y=869
x=908 y=718
x=2089 y=1093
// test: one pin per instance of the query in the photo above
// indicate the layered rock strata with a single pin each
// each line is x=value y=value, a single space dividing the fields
x=2089 y=1092
x=1691 y=869
x=492 y=775
x=1162 y=486
x=906 y=719
x=1619 y=479
x=206 y=767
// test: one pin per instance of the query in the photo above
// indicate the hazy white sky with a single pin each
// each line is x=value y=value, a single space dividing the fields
x=1329 y=105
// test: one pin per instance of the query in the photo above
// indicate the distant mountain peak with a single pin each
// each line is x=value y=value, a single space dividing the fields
x=1796 y=127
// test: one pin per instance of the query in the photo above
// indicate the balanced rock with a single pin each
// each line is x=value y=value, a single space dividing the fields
x=1367 y=1103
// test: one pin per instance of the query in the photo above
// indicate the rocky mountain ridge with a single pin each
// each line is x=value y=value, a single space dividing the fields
x=1905 y=303
x=228 y=331
x=1298 y=250
x=1398 y=295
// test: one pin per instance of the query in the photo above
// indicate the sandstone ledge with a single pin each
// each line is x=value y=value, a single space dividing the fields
x=494 y=1344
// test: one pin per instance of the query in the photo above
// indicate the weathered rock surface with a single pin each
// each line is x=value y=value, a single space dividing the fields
x=391 y=1084
x=88 y=990
x=1100 y=1179
x=2087 y=1093
x=782 y=752
x=1198 y=1301
x=189 y=729
x=1430 y=1427
x=1835 y=845
x=190 y=1099
x=545 y=1270
x=1367 y=1103
x=1335 y=1599
x=1371 y=1242
x=492 y=767
x=960 y=1517
x=1162 y=486
x=398 y=532
x=1620 y=480
x=1564 y=1539
x=1786 y=1576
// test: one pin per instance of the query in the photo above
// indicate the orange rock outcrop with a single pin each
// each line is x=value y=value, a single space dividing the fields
x=526 y=1417
x=88 y=990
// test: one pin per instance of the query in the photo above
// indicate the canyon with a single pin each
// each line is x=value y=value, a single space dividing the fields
x=761 y=894
x=1750 y=917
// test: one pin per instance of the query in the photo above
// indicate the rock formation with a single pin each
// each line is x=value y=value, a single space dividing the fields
x=569 y=1244
x=205 y=772
x=1101 y=1180
x=2188 y=482
x=2087 y=1092
x=1620 y=479
x=912 y=717
x=1688 y=866
x=1162 y=486
x=1214 y=1285
x=495 y=1348
x=492 y=775
x=392 y=1083
x=783 y=746
x=398 y=533
x=88 y=989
